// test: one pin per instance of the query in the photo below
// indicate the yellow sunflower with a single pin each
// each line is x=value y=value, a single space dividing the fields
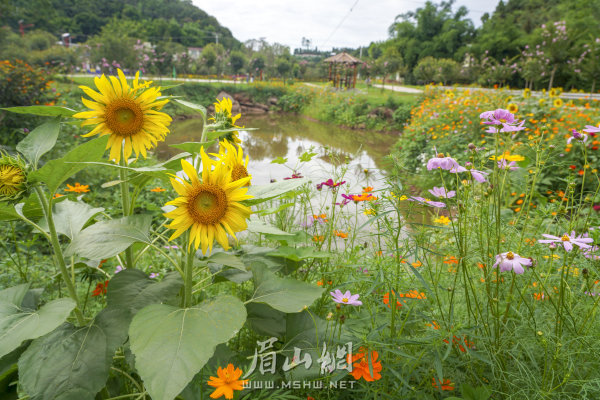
x=513 y=108
x=233 y=158
x=225 y=120
x=130 y=115
x=527 y=93
x=13 y=178
x=208 y=206
x=557 y=103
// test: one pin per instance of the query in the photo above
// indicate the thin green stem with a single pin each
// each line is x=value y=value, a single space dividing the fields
x=125 y=202
x=46 y=209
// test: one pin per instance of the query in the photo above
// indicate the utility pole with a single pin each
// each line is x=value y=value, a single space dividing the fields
x=216 y=37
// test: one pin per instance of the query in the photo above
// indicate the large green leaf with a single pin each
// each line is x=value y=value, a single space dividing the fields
x=265 y=320
x=298 y=253
x=14 y=294
x=39 y=141
x=228 y=259
x=257 y=226
x=171 y=345
x=17 y=325
x=55 y=172
x=44 y=111
x=132 y=289
x=67 y=364
x=158 y=170
x=193 y=106
x=263 y=193
x=70 y=217
x=283 y=294
x=106 y=239
x=31 y=209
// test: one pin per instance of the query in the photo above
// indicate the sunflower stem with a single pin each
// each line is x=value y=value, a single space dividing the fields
x=59 y=254
x=127 y=209
x=188 y=277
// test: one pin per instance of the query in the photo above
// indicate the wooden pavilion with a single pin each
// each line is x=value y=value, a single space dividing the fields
x=342 y=70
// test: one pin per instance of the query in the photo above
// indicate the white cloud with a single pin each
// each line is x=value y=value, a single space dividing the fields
x=286 y=21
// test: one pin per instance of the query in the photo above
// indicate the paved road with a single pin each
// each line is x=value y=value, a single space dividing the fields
x=396 y=88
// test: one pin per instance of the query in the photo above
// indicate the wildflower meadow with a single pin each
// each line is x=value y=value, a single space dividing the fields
x=470 y=272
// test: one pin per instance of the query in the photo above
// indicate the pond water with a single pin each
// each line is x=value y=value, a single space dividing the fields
x=289 y=136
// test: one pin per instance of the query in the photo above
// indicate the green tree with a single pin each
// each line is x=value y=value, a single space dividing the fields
x=237 y=61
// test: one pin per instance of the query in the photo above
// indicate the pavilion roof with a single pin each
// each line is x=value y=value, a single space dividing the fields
x=343 y=58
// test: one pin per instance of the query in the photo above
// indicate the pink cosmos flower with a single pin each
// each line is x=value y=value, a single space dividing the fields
x=443 y=162
x=568 y=241
x=428 y=202
x=502 y=164
x=479 y=176
x=578 y=136
x=501 y=117
x=441 y=192
x=511 y=261
x=329 y=182
x=345 y=298
x=592 y=129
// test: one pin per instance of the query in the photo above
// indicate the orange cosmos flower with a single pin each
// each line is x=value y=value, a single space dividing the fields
x=446 y=384
x=386 y=299
x=78 y=188
x=158 y=189
x=228 y=380
x=360 y=366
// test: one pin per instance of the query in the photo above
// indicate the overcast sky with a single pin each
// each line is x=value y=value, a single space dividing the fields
x=328 y=23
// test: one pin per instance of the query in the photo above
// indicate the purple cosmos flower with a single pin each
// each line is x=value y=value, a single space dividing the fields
x=441 y=192
x=578 y=136
x=346 y=298
x=592 y=129
x=440 y=161
x=427 y=201
x=511 y=261
x=118 y=269
x=568 y=241
x=329 y=182
x=591 y=253
x=295 y=175
x=479 y=176
x=154 y=275
x=501 y=117
x=497 y=117
x=502 y=164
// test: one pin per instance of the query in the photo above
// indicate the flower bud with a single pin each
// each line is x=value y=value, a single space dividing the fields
x=471 y=146
x=13 y=178
x=342 y=318
x=552 y=246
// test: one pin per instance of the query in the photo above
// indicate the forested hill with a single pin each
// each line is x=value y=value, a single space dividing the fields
x=154 y=20
x=515 y=23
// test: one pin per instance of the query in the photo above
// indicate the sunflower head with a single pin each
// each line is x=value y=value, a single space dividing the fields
x=513 y=108
x=129 y=114
x=557 y=102
x=232 y=156
x=209 y=206
x=223 y=119
x=13 y=178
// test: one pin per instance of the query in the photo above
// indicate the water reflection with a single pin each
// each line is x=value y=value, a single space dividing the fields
x=289 y=137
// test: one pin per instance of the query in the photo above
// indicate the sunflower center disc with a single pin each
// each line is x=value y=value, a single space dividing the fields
x=208 y=204
x=238 y=172
x=124 y=117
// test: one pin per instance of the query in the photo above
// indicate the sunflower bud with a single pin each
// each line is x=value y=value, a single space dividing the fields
x=13 y=178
